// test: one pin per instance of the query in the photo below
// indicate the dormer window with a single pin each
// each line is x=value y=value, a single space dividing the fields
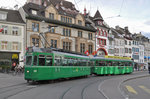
x=51 y=16
x=79 y=22
x=3 y=15
x=34 y=12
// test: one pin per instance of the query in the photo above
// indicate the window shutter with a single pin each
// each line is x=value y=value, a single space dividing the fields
x=9 y=30
x=19 y=31
x=19 y=46
x=9 y=46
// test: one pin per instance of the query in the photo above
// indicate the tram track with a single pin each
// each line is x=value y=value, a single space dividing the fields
x=6 y=92
x=86 y=85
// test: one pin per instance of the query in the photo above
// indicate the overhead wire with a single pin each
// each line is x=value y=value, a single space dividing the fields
x=121 y=7
x=76 y=4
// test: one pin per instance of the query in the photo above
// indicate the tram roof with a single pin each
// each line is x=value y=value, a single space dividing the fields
x=110 y=58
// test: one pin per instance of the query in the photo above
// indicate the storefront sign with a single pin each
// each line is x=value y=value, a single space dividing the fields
x=118 y=57
x=14 y=56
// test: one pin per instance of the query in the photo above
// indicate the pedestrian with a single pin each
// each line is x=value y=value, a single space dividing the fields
x=13 y=66
x=149 y=69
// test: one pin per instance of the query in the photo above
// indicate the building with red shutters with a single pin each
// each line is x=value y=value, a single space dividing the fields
x=101 y=34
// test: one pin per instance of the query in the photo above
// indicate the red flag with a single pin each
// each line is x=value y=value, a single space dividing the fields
x=87 y=53
x=1 y=30
x=94 y=53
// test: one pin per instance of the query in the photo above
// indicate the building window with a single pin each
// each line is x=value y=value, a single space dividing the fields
x=54 y=43
x=15 y=31
x=82 y=47
x=133 y=42
x=104 y=42
x=4 y=45
x=79 y=22
x=126 y=50
x=90 y=49
x=67 y=32
x=133 y=49
x=3 y=16
x=5 y=29
x=67 y=46
x=66 y=19
x=51 y=16
x=35 y=27
x=51 y=29
x=125 y=42
x=15 y=45
x=130 y=51
x=90 y=36
x=137 y=49
x=99 y=22
x=34 y=12
x=35 y=42
x=80 y=34
x=129 y=43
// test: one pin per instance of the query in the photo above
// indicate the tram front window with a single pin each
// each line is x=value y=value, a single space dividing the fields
x=28 y=60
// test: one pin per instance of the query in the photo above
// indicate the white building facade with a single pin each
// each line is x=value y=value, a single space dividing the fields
x=12 y=37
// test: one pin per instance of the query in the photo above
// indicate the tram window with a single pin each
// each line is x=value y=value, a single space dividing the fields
x=83 y=62
x=48 y=60
x=126 y=63
x=58 y=61
x=115 y=63
x=28 y=60
x=121 y=63
x=35 y=60
x=130 y=63
x=70 y=62
x=75 y=62
x=109 y=63
x=97 y=63
x=90 y=63
x=41 y=60
x=64 y=61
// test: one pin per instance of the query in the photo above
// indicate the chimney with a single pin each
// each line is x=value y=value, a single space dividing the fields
x=84 y=11
x=16 y=7
x=126 y=28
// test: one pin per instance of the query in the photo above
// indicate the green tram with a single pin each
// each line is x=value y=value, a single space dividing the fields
x=48 y=64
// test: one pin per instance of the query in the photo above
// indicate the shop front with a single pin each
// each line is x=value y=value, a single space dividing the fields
x=8 y=60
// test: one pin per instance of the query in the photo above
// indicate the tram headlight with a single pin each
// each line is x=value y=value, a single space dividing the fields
x=27 y=71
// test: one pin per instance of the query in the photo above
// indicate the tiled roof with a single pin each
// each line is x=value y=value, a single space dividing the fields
x=31 y=6
x=115 y=33
x=54 y=2
x=63 y=7
x=12 y=15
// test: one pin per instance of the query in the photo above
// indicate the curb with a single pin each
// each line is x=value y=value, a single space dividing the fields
x=119 y=86
x=120 y=89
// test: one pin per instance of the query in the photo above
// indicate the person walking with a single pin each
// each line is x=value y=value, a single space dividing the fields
x=149 y=68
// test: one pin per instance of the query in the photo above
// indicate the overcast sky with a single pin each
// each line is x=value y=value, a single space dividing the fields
x=133 y=13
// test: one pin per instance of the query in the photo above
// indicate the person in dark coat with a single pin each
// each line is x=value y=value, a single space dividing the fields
x=149 y=68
